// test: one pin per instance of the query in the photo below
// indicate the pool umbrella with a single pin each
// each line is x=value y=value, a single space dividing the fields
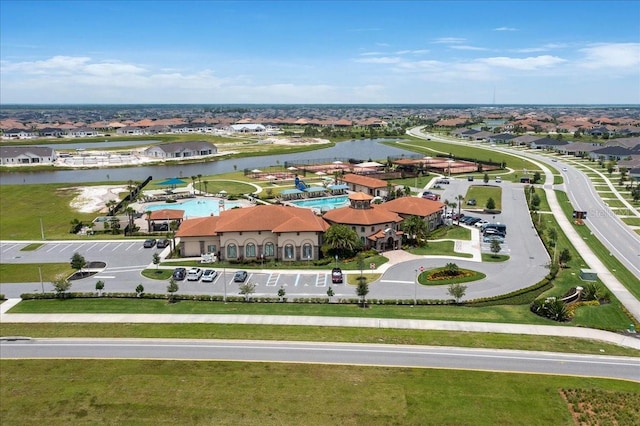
x=320 y=173
x=292 y=168
x=256 y=171
x=172 y=182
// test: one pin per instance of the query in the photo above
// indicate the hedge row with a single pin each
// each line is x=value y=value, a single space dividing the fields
x=219 y=298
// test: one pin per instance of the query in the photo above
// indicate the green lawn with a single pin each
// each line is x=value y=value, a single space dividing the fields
x=481 y=193
x=632 y=221
x=441 y=248
x=490 y=257
x=317 y=334
x=29 y=272
x=617 y=269
x=453 y=232
x=235 y=393
x=501 y=313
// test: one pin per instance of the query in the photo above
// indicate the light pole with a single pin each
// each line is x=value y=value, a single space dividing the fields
x=224 y=280
x=40 y=273
x=415 y=290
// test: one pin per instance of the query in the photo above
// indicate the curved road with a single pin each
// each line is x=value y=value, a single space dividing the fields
x=625 y=368
x=626 y=244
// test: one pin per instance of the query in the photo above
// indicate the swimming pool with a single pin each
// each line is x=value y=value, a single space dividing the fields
x=198 y=207
x=323 y=204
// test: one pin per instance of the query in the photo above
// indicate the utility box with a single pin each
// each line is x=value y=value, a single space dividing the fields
x=588 y=275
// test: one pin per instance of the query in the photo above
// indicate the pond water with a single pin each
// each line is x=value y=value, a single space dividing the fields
x=365 y=149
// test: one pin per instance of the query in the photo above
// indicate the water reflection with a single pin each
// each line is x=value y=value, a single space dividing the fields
x=365 y=149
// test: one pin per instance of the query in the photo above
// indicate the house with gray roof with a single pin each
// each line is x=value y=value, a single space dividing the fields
x=18 y=134
x=502 y=138
x=579 y=149
x=181 y=150
x=613 y=153
x=547 y=143
x=26 y=155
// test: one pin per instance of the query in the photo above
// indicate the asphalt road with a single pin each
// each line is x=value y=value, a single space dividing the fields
x=625 y=368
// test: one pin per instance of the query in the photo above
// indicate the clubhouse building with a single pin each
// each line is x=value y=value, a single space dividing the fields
x=287 y=233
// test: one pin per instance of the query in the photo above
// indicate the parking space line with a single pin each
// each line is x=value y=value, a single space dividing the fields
x=95 y=244
x=130 y=245
x=66 y=247
x=297 y=279
x=105 y=246
x=116 y=247
x=10 y=247
x=272 y=281
x=321 y=280
x=53 y=247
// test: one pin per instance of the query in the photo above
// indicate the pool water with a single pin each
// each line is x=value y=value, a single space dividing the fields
x=199 y=207
x=324 y=204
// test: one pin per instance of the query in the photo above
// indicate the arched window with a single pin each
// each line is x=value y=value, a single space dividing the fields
x=250 y=250
x=307 y=251
x=232 y=251
x=269 y=250
x=362 y=241
x=288 y=251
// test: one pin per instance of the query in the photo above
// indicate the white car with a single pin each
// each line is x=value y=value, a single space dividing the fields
x=481 y=223
x=564 y=169
x=209 y=275
x=194 y=274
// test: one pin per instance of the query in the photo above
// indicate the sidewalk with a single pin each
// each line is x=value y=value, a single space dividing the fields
x=629 y=341
x=610 y=281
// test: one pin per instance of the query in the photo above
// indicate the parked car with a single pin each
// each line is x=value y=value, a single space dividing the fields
x=473 y=221
x=491 y=232
x=467 y=219
x=194 y=274
x=442 y=182
x=498 y=179
x=336 y=275
x=490 y=238
x=163 y=243
x=240 y=276
x=470 y=178
x=150 y=243
x=209 y=275
x=500 y=227
x=179 y=274
x=481 y=223
x=471 y=202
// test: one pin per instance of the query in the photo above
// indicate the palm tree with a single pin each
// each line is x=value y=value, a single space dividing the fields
x=205 y=187
x=460 y=199
x=415 y=228
x=341 y=240
x=446 y=205
x=200 y=182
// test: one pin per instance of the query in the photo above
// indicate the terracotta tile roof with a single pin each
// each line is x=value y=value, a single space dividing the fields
x=198 y=227
x=367 y=181
x=371 y=216
x=167 y=214
x=271 y=218
x=413 y=206
x=360 y=196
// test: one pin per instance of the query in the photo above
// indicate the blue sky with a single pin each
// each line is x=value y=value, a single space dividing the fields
x=540 y=52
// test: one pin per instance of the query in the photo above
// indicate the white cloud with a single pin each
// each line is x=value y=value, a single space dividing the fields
x=531 y=63
x=380 y=60
x=465 y=47
x=505 y=29
x=543 y=48
x=612 y=55
x=449 y=40
x=412 y=52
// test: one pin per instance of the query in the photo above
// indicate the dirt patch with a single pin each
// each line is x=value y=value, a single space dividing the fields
x=91 y=199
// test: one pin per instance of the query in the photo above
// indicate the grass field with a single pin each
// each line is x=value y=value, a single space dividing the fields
x=232 y=393
x=317 y=334
x=617 y=269
x=481 y=193
x=29 y=272
x=443 y=248
x=502 y=313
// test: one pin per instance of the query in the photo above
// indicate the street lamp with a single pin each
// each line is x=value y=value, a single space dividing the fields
x=224 y=280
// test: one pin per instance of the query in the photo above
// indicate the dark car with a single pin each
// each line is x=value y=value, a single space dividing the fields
x=150 y=243
x=471 y=202
x=240 y=276
x=179 y=274
x=336 y=275
x=163 y=243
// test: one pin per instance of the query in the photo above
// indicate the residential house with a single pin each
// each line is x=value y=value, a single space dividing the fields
x=82 y=132
x=18 y=134
x=578 y=149
x=261 y=232
x=181 y=150
x=26 y=155
x=612 y=153
x=547 y=143
x=502 y=138
x=51 y=132
x=247 y=128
